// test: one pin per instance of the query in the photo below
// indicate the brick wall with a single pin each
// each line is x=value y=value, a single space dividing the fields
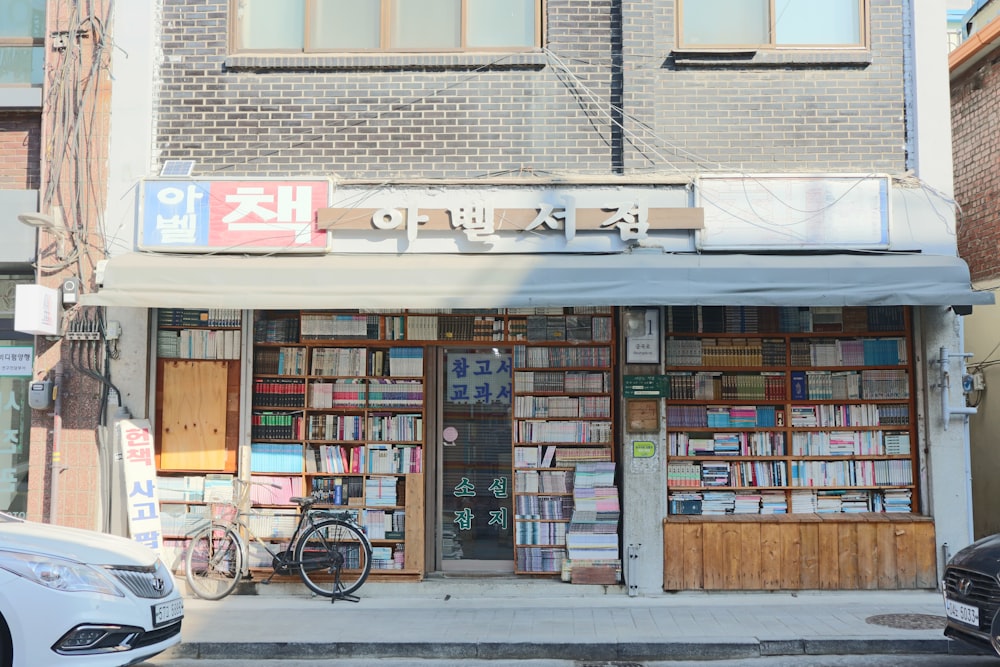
x=20 y=148
x=975 y=100
x=411 y=116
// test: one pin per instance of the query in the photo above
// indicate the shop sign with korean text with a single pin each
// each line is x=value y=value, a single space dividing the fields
x=229 y=216
x=508 y=218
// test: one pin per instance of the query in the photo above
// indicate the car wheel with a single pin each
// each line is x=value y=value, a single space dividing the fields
x=6 y=645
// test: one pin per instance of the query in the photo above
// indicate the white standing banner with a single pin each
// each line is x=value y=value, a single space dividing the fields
x=137 y=447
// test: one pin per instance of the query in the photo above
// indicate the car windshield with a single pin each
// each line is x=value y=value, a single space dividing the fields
x=7 y=518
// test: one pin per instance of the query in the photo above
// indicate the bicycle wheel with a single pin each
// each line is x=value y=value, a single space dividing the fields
x=214 y=562
x=334 y=558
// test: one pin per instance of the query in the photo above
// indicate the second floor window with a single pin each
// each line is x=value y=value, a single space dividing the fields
x=326 y=26
x=22 y=42
x=771 y=23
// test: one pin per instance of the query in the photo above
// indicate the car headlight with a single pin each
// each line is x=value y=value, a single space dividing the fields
x=58 y=573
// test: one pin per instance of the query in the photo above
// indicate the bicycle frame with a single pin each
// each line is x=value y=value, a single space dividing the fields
x=282 y=562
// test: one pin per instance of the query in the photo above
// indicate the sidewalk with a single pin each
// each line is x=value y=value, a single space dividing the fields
x=503 y=619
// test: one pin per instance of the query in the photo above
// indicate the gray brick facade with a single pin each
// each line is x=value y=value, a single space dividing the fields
x=477 y=116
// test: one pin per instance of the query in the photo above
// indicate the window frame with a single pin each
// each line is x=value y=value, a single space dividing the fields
x=864 y=34
x=31 y=42
x=384 y=33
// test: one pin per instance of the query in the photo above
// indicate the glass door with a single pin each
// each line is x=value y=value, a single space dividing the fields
x=475 y=461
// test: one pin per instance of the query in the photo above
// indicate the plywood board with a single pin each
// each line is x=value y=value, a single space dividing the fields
x=192 y=433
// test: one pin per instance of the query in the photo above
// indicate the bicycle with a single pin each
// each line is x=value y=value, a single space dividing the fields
x=328 y=549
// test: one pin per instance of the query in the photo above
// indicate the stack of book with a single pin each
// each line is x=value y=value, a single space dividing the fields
x=592 y=538
x=718 y=502
x=803 y=502
x=685 y=502
x=773 y=502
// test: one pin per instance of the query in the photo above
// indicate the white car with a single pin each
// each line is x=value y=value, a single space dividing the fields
x=79 y=597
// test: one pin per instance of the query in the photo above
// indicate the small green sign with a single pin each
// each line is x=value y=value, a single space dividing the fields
x=645 y=386
x=643 y=449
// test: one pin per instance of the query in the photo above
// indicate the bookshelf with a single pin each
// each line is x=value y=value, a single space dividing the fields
x=338 y=411
x=790 y=411
x=563 y=421
x=196 y=415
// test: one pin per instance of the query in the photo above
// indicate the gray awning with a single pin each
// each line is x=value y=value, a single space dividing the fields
x=533 y=280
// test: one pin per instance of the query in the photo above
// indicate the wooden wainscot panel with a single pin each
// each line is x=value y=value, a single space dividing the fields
x=799 y=552
x=694 y=556
x=751 y=561
x=673 y=555
x=414 y=556
x=925 y=548
x=868 y=554
x=770 y=553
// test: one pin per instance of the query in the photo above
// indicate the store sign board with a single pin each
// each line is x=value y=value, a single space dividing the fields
x=16 y=361
x=631 y=219
x=233 y=216
x=793 y=211
x=645 y=386
x=479 y=377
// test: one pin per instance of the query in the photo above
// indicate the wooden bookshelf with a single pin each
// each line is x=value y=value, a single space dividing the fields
x=196 y=415
x=790 y=410
x=563 y=415
x=338 y=411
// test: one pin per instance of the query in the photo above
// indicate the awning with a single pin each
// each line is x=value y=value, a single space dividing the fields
x=533 y=280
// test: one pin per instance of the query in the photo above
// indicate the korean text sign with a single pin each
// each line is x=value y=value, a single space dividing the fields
x=241 y=216
x=137 y=449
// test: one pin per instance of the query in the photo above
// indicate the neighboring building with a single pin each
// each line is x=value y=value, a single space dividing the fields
x=383 y=201
x=975 y=105
x=957 y=11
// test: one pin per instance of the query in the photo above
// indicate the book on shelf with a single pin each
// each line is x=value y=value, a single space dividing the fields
x=275 y=457
x=274 y=489
x=218 y=488
x=183 y=488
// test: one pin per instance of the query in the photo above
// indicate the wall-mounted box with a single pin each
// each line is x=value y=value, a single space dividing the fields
x=36 y=310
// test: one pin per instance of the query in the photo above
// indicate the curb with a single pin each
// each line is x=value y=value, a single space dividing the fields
x=591 y=651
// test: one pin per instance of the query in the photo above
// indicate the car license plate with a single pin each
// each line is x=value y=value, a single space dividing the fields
x=168 y=611
x=962 y=612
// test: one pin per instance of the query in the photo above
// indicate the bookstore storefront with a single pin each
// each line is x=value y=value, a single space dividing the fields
x=494 y=412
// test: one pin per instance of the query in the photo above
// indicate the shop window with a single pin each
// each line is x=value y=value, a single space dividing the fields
x=22 y=39
x=338 y=26
x=771 y=23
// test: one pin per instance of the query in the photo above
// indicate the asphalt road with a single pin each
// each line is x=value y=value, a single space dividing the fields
x=785 y=661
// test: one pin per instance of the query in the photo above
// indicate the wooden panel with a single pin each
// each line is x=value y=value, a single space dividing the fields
x=868 y=555
x=414 y=532
x=925 y=550
x=194 y=415
x=791 y=556
x=673 y=556
x=693 y=558
x=732 y=547
x=771 y=554
x=750 y=559
x=848 y=555
x=715 y=556
x=804 y=552
x=906 y=557
x=885 y=539
x=828 y=547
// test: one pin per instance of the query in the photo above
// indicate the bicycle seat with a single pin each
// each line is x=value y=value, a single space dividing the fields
x=303 y=501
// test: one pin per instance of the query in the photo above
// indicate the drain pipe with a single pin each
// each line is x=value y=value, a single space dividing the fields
x=56 y=467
